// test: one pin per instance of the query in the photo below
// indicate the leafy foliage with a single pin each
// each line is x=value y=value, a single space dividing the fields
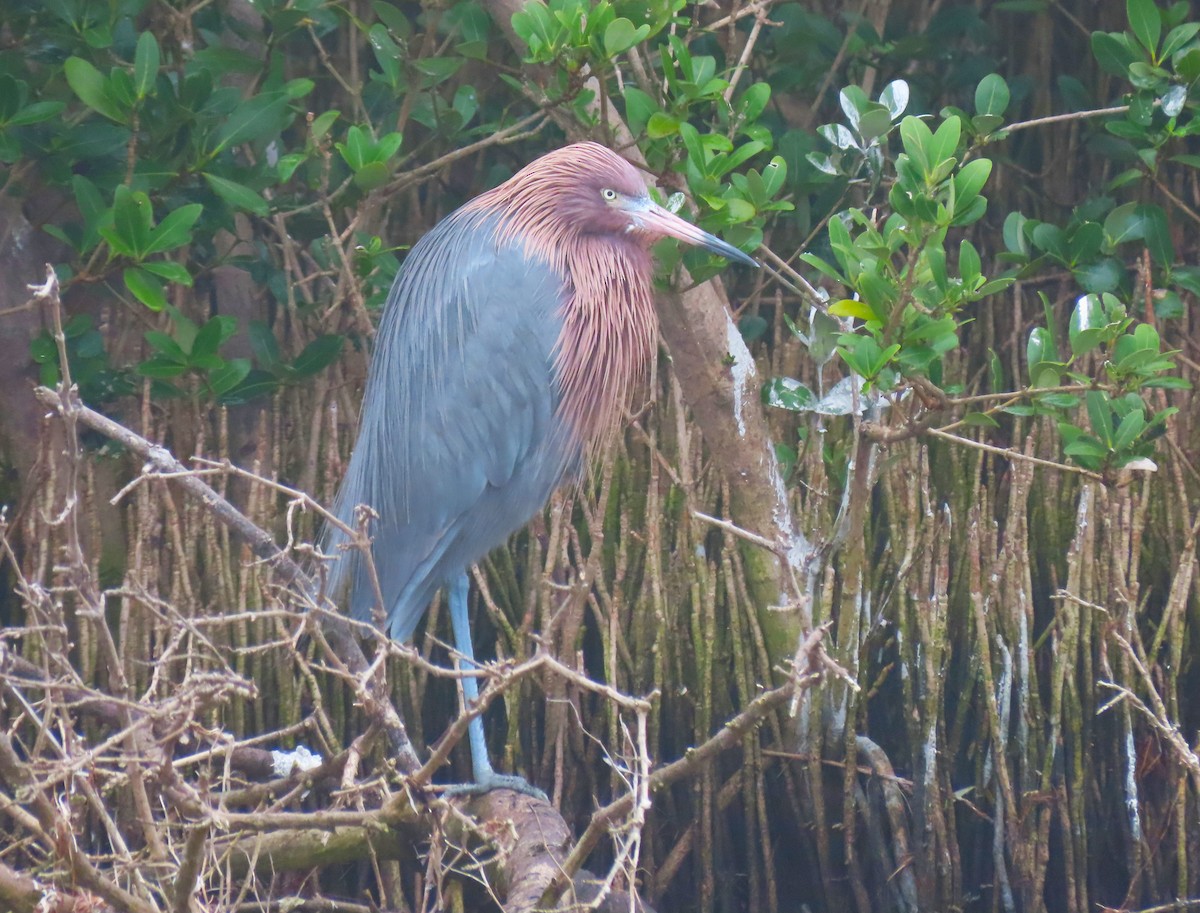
x=957 y=303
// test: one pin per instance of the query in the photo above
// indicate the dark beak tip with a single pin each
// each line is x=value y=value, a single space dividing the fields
x=737 y=256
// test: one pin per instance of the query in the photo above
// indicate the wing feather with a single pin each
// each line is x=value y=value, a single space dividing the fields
x=459 y=443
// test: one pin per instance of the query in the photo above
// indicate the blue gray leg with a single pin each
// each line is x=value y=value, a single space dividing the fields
x=486 y=779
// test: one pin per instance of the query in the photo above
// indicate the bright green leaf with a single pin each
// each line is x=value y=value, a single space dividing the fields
x=92 y=88
x=621 y=35
x=1146 y=23
x=992 y=95
x=661 y=125
x=851 y=307
x=145 y=288
x=145 y=65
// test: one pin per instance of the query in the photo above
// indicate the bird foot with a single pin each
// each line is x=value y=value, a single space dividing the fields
x=492 y=781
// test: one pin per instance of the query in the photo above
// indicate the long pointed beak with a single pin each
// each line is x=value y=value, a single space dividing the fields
x=653 y=219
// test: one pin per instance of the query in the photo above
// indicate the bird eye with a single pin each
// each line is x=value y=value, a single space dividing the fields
x=609 y=194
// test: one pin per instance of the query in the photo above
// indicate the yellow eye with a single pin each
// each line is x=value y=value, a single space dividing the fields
x=609 y=194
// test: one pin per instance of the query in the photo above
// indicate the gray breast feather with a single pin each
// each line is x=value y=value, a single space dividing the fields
x=459 y=444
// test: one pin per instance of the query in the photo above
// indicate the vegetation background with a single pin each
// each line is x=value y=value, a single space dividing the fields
x=948 y=421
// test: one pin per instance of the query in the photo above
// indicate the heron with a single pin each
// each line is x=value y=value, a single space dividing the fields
x=512 y=338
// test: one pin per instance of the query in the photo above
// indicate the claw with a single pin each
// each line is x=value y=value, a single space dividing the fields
x=496 y=781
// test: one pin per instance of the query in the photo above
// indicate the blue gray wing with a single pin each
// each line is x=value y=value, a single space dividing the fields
x=458 y=443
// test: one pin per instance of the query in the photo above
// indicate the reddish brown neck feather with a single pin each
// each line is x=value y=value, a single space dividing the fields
x=609 y=324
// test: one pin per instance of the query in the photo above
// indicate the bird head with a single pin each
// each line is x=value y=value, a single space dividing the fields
x=608 y=196
x=587 y=189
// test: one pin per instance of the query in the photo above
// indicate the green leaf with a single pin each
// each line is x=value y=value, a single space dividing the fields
x=1132 y=425
x=661 y=125
x=1040 y=348
x=356 y=148
x=166 y=347
x=1100 y=415
x=973 y=212
x=145 y=288
x=438 y=69
x=390 y=143
x=979 y=420
x=1113 y=52
x=1015 y=239
x=837 y=136
x=638 y=108
x=823 y=267
x=36 y=113
x=753 y=101
x=1087 y=451
x=92 y=88
x=1177 y=38
x=992 y=95
x=209 y=338
x=255 y=384
x=298 y=88
x=13 y=94
x=853 y=101
x=621 y=35
x=875 y=121
x=287 y=164
x=43 y=350
x=894 y=97
x=1146 y=23
x=774 y=175
x=252 y=119
x=935 y=257
x=322 y=123
x=239 y=196
x=1051 y=239
x=175 y=230
x=169 y=270
x=695 y=149
x=1125 y=223
x=393 y=18
x=945 y=142
x=752 y=327
x=1085 y=242
x=372 y=175
x=223 y=379
x=1187 y=64
x=159 y=367
x=917 y=139
x=1086 y=326
x=133 y=220
x=1157 y=234
x=851 y=307
x=145 y=65
x=970 y=180
x=264 y=344
x=185 y=329
x=969 y=263
x=318 y=355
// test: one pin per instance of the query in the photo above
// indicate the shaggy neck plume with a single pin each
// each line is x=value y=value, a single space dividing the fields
x=609 y=324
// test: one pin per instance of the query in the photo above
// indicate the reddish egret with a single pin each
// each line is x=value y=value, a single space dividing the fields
x=509 y=343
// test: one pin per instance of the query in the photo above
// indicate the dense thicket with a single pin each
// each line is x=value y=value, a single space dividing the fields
x=947 y=423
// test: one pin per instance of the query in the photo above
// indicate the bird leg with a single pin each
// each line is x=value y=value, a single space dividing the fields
x=486 y=779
